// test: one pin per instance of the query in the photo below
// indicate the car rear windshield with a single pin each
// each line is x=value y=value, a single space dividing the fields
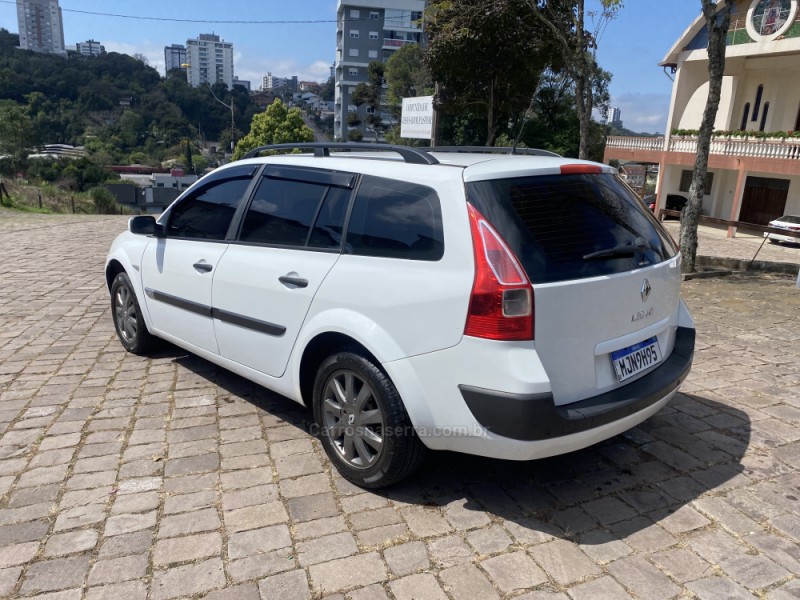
x=789 y=219
x=565 y=227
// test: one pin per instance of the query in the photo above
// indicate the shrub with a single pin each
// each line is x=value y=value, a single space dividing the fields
x=104 y=201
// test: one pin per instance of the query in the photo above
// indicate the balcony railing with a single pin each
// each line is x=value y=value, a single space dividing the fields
x=788 y=148
x=395 y=43
x=635 y=143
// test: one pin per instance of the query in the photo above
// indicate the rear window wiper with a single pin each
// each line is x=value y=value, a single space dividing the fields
x=617 y=252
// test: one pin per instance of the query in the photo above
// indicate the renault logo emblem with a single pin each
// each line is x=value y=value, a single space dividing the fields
x=646 y=289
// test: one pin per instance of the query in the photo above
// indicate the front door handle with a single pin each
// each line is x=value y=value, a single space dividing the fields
x=203 y=267
x=297 y=282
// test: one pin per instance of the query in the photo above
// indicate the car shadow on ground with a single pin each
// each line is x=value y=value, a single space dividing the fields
x=592 y=496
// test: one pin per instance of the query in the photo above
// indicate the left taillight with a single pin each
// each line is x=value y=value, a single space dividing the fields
x=501 y=304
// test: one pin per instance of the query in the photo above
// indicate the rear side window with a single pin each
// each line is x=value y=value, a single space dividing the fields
x=564 y=227
x=396 y=219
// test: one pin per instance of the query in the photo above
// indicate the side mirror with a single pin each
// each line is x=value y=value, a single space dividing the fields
x=145 y=225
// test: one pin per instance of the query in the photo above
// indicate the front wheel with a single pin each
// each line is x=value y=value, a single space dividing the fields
x=362 y=422
x=128 y=321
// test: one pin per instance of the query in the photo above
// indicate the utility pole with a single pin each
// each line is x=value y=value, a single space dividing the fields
x=229 y=107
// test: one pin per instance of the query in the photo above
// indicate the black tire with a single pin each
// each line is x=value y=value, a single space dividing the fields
x=350 y=433
x=771 y=241
x=127 y=316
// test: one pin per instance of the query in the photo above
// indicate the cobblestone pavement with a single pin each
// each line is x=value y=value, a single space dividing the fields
x=126 y=477
x=714 y=241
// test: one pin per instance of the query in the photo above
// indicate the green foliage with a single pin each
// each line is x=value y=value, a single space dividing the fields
x=407 y=76
x=78 y=175
x=277 y=125
x=104 y=201
x=114 y=104
x=16 y=133
x=487 y=58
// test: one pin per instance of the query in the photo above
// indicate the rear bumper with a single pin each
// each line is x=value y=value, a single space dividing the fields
x=535 y=417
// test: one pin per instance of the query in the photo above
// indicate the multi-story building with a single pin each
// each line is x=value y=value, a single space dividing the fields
x=209 y=60
x=90 y=48
x=754 y=163
x=41 y=28
x=174 y=57
x=242 y=82
x=368 y=30
x=271 y=82
x=616 y=117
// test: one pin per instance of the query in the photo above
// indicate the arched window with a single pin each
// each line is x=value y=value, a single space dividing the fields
x=745 y=116
x=764 y=117
x=757 y=107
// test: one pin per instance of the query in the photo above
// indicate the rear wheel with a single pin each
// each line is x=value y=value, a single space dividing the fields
x=362 y=422
x=128 y=321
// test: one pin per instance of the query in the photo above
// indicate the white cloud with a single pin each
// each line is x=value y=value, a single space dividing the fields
x=154 y=53
x=254 y=69
x=643 y=112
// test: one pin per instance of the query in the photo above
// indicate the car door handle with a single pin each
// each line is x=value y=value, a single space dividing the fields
x=293 y=281
x=203 y=267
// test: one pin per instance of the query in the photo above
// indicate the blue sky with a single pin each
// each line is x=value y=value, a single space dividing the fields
x=631 y=46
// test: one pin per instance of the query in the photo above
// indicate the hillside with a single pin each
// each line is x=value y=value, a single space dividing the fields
x=116 y=105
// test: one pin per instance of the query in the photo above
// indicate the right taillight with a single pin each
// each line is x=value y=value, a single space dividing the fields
x=501 y=306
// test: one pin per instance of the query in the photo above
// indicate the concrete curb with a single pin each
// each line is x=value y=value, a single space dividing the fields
x=736 y=264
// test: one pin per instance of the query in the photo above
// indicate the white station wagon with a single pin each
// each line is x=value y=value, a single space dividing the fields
x=510 y=305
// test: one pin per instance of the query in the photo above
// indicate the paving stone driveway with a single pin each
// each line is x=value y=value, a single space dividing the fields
x=125 y=477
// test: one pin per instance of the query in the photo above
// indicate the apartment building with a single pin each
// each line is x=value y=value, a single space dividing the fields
x=209 y=60
x=174 y=57
x=90 y=48
x=368 y=30
x=41 y=27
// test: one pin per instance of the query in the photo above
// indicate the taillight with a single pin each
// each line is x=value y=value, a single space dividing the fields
x=501 y=306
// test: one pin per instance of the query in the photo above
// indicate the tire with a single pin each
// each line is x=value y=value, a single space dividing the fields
x=128 y=321
x=362 y=422
x=771 y=241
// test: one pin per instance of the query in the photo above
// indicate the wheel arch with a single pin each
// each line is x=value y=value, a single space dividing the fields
x=318 y=349
x=113 y=268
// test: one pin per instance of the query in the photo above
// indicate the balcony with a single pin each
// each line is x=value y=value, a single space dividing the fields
x=391 y=43
x=738 y=147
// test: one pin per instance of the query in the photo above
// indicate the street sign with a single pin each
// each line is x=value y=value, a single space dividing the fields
x=416 y=120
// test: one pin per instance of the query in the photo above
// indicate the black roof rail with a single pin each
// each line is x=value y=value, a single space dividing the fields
x=415 y=156
x=494 y=150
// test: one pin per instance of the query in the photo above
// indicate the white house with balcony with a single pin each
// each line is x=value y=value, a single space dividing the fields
x=754 y=165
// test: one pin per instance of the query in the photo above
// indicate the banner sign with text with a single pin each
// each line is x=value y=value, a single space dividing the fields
x=417 y=118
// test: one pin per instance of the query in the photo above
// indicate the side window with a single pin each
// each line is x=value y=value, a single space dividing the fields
x=327 y=232
x=207 y=213
x=395 y=219
x=282 y=212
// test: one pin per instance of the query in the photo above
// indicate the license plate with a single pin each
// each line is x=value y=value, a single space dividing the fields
x=635 y=359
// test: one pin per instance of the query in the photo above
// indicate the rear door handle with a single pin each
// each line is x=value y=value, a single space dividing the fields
x=298 y=282
x=203 y=267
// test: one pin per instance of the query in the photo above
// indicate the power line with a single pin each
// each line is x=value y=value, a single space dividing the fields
x=202 y=21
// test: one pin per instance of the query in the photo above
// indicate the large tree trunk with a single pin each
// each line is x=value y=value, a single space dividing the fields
x=582 y=91
x=717 y=25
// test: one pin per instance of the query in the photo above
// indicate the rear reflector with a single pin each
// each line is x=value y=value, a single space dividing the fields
x=581 y=170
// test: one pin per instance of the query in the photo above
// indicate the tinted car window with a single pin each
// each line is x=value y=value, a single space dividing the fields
x=207 y=212
x=282 y=212
x=396 y=219
x=327 y=232
x=563 y=227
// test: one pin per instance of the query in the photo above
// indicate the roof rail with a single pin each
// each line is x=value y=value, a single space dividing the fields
x=415 y=156
x=494 y=150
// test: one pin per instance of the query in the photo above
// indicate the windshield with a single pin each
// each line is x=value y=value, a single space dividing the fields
x=564 y=227
x=789 y=219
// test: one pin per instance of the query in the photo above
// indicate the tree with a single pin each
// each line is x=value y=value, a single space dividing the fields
x=718 y=21
x=406 y=76
x=16 y=134
x=578 y=46
x=277 y=125
x=371 y=95
x=486 y=58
